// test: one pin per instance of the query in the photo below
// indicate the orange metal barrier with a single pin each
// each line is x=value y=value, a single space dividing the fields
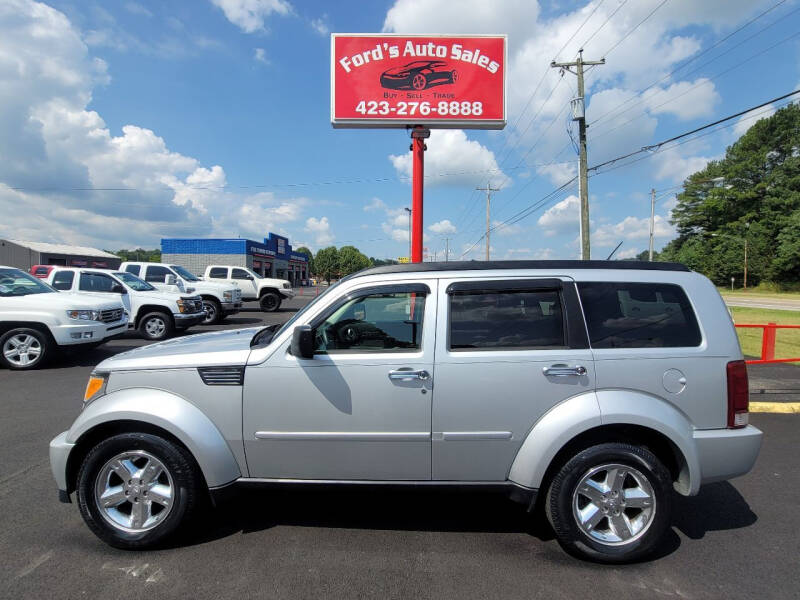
x=768 y=342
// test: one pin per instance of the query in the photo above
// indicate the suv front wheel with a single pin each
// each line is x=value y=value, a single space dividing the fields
x=135 y=489
x=610 y=503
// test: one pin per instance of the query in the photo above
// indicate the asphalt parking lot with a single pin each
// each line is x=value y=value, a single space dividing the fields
x=734 y=540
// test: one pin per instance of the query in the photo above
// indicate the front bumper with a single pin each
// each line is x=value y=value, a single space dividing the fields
x=59 y=454
x=287 y=292
x=231 y=308
x=63 y=334
x=183 y=320
x=726 y=453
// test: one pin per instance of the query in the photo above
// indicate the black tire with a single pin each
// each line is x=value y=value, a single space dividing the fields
x=185 y=485
x=270 y=302
x=213 y=311
x=563 y=493
x=156 y=326
x=23 y=348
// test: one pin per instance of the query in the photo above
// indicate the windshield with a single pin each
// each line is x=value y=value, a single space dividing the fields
x=14 y=282
x=184 y=273
x=133 y=282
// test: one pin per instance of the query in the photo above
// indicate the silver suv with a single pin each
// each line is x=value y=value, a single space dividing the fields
x=595 y=387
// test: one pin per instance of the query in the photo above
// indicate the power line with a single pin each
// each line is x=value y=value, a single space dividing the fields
x=697 y=56
x=704 y=82
x=572 y=37
x=615 y=11
x=658 y=145
x=624 y=37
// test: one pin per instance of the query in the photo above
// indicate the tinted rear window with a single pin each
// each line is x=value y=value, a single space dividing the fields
x=506 y=320
x=638 y=315
x=218 y=273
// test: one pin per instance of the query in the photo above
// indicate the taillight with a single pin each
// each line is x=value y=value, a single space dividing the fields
x=738 y=394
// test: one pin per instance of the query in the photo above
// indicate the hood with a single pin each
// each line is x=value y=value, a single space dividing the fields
x=217 y=348
x=204 y=284
x=61 y=300
x=270 y=282
x=160 y=295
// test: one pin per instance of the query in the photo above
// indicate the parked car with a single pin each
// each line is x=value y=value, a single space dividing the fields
x=269 y=292
x=41 y=271
x=156 y=314
x=219 y=300
x=36 y=321
x=594 y=387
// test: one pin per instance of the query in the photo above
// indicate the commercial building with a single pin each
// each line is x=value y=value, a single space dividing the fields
x=272 y=257
x=23 y=255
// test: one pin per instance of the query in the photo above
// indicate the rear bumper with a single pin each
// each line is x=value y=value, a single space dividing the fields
x=726 y=453
x=59 y=453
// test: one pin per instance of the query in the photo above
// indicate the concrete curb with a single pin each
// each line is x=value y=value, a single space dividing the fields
x=775 y=407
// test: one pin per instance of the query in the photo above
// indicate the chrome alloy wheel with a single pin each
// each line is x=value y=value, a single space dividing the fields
x=155 y=327
x=22 y=350
x=614 y=504
x=134 y=491
x=211 y=312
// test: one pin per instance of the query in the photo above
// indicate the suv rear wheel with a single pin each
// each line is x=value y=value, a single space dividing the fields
x=135 y=489
x=610 y=503
x=24 y=348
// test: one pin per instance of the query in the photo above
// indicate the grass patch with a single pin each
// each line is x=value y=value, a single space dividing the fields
x=787 y=341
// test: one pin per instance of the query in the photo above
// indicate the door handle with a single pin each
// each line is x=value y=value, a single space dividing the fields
x=401 y=375
x=564 y=371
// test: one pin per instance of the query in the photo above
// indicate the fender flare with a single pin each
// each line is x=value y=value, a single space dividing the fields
x=576 y=415
x=172 y=413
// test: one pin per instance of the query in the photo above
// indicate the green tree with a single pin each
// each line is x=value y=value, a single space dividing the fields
x=326 y=263
x=752 y=195
x=351 y=260
x=139 y=255
x=310 y=255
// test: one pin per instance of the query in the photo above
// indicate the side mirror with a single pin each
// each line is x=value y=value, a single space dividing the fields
x=303 y=341
x=170 y=279
x=118 y=289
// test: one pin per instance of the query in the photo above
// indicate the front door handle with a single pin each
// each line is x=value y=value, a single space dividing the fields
x=401 y=375
x=564 y=371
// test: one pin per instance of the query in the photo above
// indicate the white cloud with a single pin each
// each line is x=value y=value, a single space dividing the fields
x=628 y=253
x=250 y=15
x=631 y=228
x=260 y=55
x=320 y=25
x=320 y=229
x=396 y=224
x=466 y=161
x=672 y=165
x=137 y=9
x=375 y=204
x=563 y=216
x=529 y=254
x=747 y=120
x=506 y=230
x=443 y=227
x=684 y=99
x=50 y=144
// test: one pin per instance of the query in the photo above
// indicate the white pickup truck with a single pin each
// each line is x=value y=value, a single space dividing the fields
x=155 y=313
x=269 y=292
x=36 y=320
x=219 y=300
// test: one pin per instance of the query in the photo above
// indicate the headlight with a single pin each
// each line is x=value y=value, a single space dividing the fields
x=84 y=315
x=227 y=296
x=287 y=286
x=182 y=306
x=95 y=388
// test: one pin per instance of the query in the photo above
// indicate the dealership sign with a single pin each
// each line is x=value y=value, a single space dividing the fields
x=380 y=80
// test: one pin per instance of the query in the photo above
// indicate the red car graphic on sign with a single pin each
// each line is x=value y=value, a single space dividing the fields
x=418 y=75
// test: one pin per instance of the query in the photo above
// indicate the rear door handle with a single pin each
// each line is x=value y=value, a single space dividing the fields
x=564 y=371
x=401 y=375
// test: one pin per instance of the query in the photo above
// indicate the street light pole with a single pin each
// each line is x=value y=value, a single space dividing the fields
x=408 y=210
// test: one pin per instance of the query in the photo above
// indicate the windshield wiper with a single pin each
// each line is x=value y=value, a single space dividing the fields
x=264 y=336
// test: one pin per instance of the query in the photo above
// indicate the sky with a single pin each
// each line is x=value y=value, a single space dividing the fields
x=123 y=122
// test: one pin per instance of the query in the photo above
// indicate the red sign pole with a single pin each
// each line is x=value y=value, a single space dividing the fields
x=418 y=147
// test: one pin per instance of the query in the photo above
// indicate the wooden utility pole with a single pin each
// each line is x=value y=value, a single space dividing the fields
x=579 y=114
x=488 y=189
x=652 y=219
